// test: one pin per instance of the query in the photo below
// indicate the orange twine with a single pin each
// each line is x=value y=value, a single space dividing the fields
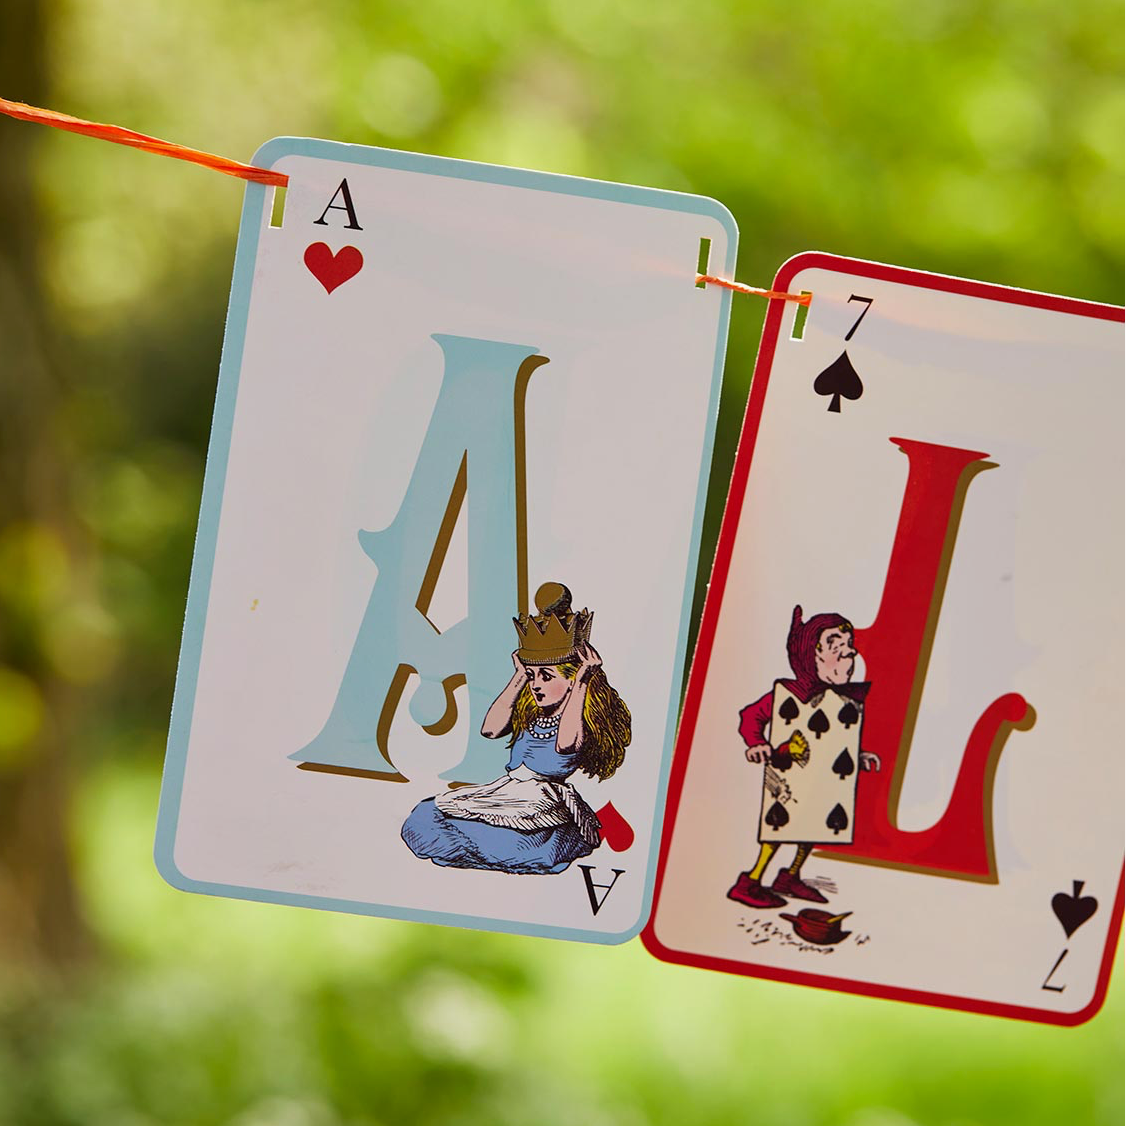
x=122 y=136
x=754 y=291
x=135 y=140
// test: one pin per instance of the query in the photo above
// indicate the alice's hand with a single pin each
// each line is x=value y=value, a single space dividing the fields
x=759 y=753
x=518 y=664
x=869 y=761
x=589 y=660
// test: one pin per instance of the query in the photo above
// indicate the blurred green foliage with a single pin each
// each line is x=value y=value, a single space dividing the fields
x=211 y=1012
x=975 y=139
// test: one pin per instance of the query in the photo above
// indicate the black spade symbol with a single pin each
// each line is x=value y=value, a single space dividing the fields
x=789 y=710
x=781 y=759
x=848 y=715
x=837 y=819
x=843 y=765
x=838 y=379
x=1072 y=910
x=818 y=723
x=776 y=816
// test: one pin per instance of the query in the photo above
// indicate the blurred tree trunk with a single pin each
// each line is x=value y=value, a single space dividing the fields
x=40 y=923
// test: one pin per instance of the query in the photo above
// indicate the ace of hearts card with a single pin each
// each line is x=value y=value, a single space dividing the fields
x=899 y=770
x=439 y=605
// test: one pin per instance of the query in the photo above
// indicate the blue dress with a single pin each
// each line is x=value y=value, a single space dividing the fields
x=530 y=821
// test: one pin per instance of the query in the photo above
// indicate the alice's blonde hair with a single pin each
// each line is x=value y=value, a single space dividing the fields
x=606 y=722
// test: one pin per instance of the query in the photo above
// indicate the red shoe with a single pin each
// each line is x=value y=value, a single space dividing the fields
x=753 y=894
x=795 y=887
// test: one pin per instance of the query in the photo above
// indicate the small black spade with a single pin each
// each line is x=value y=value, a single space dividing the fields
x=776 y=816
x=789 y=710
x=1075 y=909
x=837 y=819
x=848 y=715
x=838 y=379
x=818 y=723
x=843 y=765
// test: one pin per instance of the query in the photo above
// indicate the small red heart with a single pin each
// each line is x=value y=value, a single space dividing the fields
x=616 y=830
x=331 y=269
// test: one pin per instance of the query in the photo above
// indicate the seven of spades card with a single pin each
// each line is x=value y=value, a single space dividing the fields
x=926 y=512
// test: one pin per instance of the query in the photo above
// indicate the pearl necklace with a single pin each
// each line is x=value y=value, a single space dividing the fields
x=547 y=725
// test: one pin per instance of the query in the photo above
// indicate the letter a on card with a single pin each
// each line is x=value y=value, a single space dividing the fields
x=450 y=523
x=900 y=762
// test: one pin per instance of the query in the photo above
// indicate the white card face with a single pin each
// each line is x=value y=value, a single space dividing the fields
x=447 y=390
x=927 y=516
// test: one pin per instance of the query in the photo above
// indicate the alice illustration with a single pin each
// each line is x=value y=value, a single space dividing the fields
x=560 y=715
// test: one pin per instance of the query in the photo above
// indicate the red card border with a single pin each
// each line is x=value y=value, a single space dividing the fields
x=732 y=510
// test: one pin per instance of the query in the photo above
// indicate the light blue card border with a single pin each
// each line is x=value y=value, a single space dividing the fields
x=214 y=479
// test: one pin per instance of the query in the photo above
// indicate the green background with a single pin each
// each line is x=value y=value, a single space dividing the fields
x=968 y=138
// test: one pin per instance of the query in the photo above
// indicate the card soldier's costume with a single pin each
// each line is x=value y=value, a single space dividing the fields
x=806 y=732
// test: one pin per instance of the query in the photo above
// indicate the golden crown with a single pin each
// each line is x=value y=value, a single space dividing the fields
x=553 y=635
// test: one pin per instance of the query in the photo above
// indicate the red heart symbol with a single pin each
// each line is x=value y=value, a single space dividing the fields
x=331 y=269
x=616 y=830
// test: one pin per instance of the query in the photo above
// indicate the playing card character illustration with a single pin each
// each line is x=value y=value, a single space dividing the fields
x=806 y=733
x=559 y=715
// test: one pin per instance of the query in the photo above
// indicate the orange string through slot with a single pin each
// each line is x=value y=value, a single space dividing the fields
x=754 y=291
x=135 y=140
x=122 y=136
